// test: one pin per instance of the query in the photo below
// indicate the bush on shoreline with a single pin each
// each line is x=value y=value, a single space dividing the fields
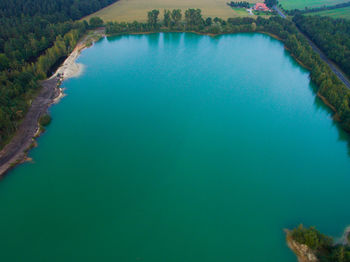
x=322 y=245
x=310 y=237
x=45 y=120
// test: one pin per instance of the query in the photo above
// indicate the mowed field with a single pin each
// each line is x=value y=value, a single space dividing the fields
x=131 y=10
x=335 y=13
x=301 y=4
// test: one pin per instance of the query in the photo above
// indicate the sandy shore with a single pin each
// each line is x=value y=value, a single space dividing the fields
x=70 y=68
x=15 y=152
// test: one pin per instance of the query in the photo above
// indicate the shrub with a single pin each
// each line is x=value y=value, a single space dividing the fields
x=45 y=120
x=95 y=22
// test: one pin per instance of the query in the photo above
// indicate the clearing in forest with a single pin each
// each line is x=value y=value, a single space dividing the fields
x=131 y=10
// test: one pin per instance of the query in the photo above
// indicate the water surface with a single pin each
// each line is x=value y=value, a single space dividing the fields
x=179 y=147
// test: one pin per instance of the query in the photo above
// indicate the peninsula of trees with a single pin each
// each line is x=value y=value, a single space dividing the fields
x=320 y=245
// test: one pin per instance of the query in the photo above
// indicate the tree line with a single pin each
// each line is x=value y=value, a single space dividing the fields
x=58 y=10
x=26 y=57
x=332 y=36
x=242 y=4
x=175 y=20
x=34 y=35
x=270 y=3
x=328 y=85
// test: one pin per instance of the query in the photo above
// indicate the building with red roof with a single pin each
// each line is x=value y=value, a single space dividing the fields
x=261 y=7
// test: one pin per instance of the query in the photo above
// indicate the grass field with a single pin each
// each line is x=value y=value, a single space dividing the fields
x=335 y=13
x=239 y=12
x=301 y=4
x=131 y=10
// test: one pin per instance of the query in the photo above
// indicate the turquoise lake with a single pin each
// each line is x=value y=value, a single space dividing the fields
x=177 y=148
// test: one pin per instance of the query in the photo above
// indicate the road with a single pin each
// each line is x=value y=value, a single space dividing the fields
x=278 y=11
x=333 y=67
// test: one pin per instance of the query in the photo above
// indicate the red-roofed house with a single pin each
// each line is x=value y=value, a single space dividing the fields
x=261 y=7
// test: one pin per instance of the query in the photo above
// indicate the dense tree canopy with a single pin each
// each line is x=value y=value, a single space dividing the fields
x=95 y=22
x=153 y=18
x=56 y=9
x=331 y=35
x=34 y=36
x=241 y=4
x=270 y=3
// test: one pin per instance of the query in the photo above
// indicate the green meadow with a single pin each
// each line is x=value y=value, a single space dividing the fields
x=301 y=4
x=335 y=13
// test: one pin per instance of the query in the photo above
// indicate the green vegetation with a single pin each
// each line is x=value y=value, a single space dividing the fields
x=310 y=237
x=153 y=18
x=240 y=12
x=45 y=120
x=335 y=13
x=270 y=3
x=193 y=21
x=302 y=4
x=34 y=36
x=261 y=13
x=136 y=10
x=328 y=85
x=331 y=36
x=95 y=22
x=323 y=246
x=242 y=4
x=26 y=57
x=316 y=9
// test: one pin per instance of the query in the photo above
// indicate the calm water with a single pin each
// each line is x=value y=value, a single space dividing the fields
x=176 y=148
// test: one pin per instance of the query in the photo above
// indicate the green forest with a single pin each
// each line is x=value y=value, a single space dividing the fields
x=34 y=36
x=332 y=36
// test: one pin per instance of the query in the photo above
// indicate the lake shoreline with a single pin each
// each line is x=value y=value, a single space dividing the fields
x=324 y=99
x=16 y=151
x=115 y=59
x=302 y=252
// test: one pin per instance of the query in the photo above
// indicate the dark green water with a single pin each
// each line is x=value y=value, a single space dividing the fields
x=179 y=147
